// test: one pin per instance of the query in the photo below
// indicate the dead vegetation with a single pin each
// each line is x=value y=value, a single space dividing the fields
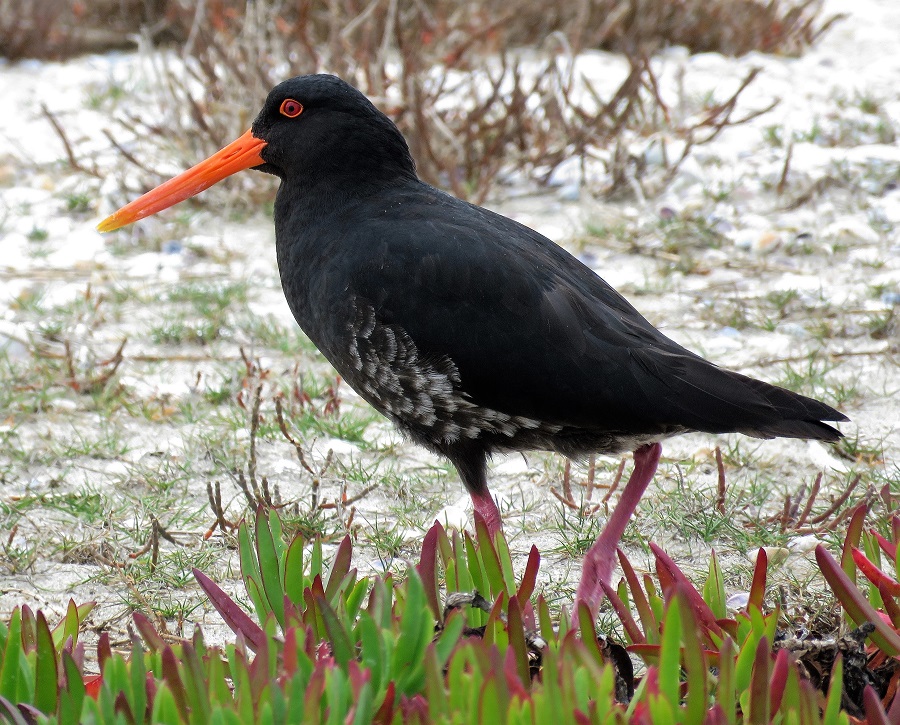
x=60 y=29
x=57 y=29
x=477 y=114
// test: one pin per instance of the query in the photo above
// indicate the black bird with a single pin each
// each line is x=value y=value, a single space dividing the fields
x=471 y=332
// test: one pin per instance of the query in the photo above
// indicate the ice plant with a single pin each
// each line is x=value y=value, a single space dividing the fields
x=327 y=646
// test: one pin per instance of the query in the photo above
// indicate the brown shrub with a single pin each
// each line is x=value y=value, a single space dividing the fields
x=61 y=28
x=472 y=111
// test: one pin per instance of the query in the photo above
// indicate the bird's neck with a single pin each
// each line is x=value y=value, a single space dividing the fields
x=307 y=201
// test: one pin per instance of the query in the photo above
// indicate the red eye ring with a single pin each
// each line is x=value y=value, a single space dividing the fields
x=291 y=108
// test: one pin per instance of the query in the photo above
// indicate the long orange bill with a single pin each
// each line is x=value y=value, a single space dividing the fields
x=240 y=154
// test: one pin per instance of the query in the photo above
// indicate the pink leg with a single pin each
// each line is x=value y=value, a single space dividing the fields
x=487 y=509
x=600 y=559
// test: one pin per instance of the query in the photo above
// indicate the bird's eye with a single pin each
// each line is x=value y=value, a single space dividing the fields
x=291 y=108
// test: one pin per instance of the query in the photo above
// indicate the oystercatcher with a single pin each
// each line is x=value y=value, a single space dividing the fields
x=471 y=332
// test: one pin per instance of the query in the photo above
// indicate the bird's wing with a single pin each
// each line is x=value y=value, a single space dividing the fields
x=534 y=332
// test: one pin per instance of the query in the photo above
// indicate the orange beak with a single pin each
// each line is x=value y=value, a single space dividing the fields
x=243 y=153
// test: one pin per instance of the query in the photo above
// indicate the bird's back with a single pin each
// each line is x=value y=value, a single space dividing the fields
x=498 y=318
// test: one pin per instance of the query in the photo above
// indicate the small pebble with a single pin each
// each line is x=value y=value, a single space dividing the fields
x=851 y=229
x=12 y=348
x=723 y=226
x=804 y=544
x=767 y=242
x=822 y=458
x=454 y=516
x=776 y=555
x=737 y=601
x=64 y=404
x=794 y=329
x=569 y=192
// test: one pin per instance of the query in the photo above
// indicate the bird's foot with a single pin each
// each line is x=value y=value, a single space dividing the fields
x=600 y=559
x=486 y=508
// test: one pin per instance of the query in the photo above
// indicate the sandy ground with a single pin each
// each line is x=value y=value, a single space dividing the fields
x=799 y=286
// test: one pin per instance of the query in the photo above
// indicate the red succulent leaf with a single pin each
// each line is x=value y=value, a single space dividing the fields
x=415 y=708
x=231 y=612
x=624 y=614
x=427 y=569
x=759 y=683
x=515 y=630
x=529 y=578
x=385 y=713
x=511 y=672
x=528 y=618
x=652 y=680
x=150 y=687
x=706 y=620
x=891 y=608
x=358 y=676
x=855 y=603
x=638 y=596
x=886 y=546
x=778 y=682
x=148 y=632
x=852 y=539
x=290 y=654
x=92 y=685
x=874 y=574
x=875 y=714
x=173 y=679
x=122 y=707
x=340 y=566
x=104 y=650
x=758 y=587
x=715 y=716
x=891 y=697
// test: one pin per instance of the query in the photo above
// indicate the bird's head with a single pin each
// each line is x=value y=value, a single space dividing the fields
x=312 y=129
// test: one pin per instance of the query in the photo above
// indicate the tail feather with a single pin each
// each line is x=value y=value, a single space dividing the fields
x=710 y=399
x=802 y=416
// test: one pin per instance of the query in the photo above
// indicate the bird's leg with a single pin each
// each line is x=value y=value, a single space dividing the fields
x=486 y=508
x=472 y=466
x=600 y=559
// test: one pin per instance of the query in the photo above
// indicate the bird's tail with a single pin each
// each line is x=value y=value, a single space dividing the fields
x=707 y=398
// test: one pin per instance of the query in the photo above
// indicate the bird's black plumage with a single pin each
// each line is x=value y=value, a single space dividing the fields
x=472 y=332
